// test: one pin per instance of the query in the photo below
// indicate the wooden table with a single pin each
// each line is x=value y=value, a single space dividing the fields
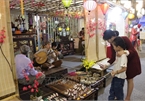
x=54 y=74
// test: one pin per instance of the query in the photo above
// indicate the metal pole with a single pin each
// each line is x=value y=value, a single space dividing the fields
x=38 y=34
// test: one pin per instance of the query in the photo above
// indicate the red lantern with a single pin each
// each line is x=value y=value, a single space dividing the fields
x=90 y=5
x=104 y=7
x=139 y=25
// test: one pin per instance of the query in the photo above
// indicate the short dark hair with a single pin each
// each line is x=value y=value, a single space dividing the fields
x=108 y=34
x=118 y=41
x=54 y=44
x=24 y=49
x=117 y=33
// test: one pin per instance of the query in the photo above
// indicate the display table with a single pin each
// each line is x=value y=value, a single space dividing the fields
x=54 y=74
x=72 y=90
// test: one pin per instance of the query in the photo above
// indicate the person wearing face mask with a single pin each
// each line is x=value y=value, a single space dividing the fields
x=133 y=65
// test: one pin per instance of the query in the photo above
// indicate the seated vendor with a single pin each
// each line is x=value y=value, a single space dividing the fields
x=46 y=57
x=26 y=73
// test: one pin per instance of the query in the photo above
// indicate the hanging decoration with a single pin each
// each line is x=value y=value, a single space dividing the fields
x=101 y=26
x=2 y=36
x=90 y=5
x=67 y=29
x=22 y=8
x=124 y=15
x=131 y=16
x=104 y=7
x=139 y=15
x=66 y=3
x=91 y=27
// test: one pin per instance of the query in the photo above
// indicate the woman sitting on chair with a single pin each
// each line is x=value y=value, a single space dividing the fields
x=46 y=57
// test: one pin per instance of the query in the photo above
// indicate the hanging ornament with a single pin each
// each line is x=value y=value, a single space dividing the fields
x=139 y=25
x=90 y=5
x=104 y=7
x=124 y=15
x=139 y=15
x=22 y=8
x=66 y=3
x=131 y=16
x=67 y=28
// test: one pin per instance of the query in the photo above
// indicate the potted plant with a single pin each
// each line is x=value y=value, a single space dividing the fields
x=88 y=64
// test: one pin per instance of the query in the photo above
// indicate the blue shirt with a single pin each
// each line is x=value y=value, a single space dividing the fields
x=23 y=65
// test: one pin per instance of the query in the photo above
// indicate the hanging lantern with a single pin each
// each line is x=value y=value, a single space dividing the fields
x=60 y=29
x=131 y=16
x=66 y=3
x=90 y=5
x=125 y=14
x=67 y=28
x=139 y=15
x=104 y=7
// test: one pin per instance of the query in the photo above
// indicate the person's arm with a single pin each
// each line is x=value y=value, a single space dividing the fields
x=30 y=67
x=129 y=47
x=123 y=69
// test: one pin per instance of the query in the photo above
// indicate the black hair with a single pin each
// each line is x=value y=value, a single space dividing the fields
x=54 y=44
x=108 y=34
x=118 y=41
x=117 y=33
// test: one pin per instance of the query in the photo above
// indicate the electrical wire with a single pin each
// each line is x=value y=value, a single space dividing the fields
x=6 y=59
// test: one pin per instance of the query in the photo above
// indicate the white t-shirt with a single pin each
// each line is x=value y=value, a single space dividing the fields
x=119 y=63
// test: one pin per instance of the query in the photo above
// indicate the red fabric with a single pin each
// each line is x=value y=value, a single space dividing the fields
x=109 y=52
x=133 y=66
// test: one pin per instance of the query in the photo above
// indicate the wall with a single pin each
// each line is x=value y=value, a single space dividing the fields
x=7 y=78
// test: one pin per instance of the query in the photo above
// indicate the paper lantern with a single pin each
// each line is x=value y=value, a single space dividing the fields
x=90 y=5
x=131 y=16
x=139 y=25
x=66 y=3
x=124 y=15
x=104 y=7
x=67 y=28
x=139 y=15
x=60 y=29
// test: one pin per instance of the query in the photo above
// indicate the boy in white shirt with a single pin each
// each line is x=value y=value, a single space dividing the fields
x=119 y=71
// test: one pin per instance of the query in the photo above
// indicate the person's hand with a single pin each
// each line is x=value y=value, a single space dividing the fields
x=113 y=73
x=102 y=66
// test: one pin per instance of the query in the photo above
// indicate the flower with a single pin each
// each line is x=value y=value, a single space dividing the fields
x=88 y=64
x=34 y=87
